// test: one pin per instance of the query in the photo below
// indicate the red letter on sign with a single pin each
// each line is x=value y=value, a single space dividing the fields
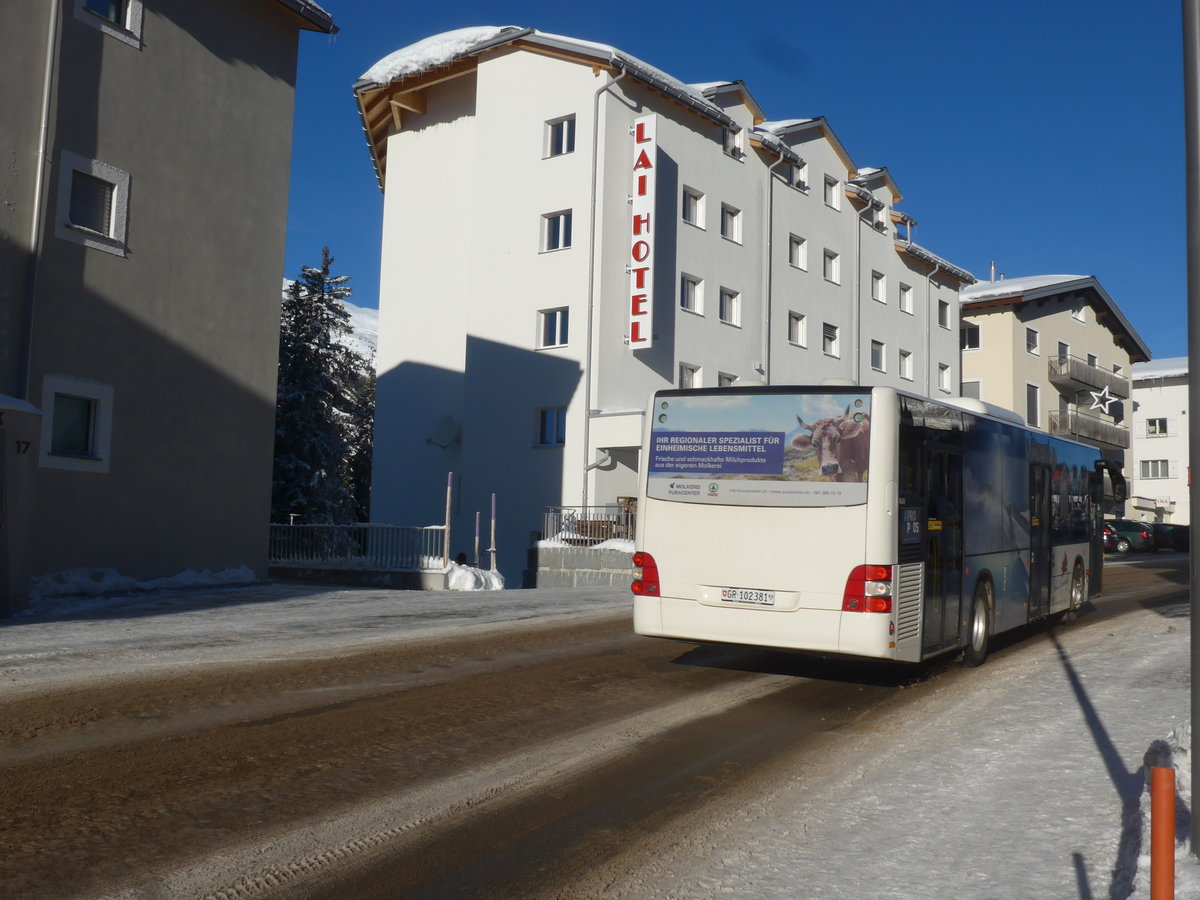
x=639 y=276
x=637 y=301
x=641 y=223
x=635 y=333
x=643 y=162
x=639 y=133
x=640 y=251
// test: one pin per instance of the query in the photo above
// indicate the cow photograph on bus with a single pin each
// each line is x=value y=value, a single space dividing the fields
x=882 y=524
x=841 y=444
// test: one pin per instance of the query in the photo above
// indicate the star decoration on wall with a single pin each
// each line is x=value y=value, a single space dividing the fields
x=1101 y=399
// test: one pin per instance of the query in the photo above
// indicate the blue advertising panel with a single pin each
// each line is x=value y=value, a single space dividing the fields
x=770 y=449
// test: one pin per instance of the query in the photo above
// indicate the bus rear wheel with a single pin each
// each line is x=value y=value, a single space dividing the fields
x=1078 y=589
x=981 y=624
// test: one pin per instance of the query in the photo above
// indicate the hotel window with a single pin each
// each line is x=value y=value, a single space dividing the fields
x=1031 y=340
x=730 y=307
x=120 y=19
x=829 y=339
x=689 y=375
x=724 y=379
x=691 y=295
x=798 y=252
x=906 y=298
x=731 y=223
x=800 y=176
x=731 y=142
x=832 y=194
x=552 y=426
x=878 y=354
x=1032 y=406
x=693 y=207
x=971 y=389
x=1156 y=468
x=77 y=432
x=93 y=204
x=1156 y=427
x=560 y=136
x=943 y=314
x=943 y=377
x=905 y=365
x=556 y=230
x=968 y=336
x=832 y=268
x=1064 y=352
x=878 y=287
x=553 y=327
x=1092 y=360
x=797 y=329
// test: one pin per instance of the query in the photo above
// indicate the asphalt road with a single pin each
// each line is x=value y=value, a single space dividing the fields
x=491 y=759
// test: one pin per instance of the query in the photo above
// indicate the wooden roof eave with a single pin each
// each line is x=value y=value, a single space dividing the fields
x=381 y=107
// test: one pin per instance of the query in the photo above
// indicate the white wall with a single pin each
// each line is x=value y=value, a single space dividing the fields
x=1160 y=398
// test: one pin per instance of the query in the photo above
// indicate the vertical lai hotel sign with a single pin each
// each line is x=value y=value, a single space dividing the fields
x=641 y=234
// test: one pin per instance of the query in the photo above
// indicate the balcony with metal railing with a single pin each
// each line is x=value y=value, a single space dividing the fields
x=1091 y=429
x=1077 y=374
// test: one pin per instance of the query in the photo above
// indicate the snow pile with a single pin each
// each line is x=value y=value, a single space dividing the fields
x=1175 y=751
x=468 y=578
x=432 y=51
x=93 y=582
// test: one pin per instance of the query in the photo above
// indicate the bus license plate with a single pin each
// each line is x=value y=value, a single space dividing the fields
x=743 y=595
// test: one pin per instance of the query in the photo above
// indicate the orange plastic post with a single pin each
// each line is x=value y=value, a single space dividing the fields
x=1162 y=833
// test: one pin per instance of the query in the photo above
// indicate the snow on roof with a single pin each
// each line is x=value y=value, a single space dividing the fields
x=867 y=171
x=436 y=50
x=1171 y=367
x=1010 y=286
x=448 y=46
x=709 y=85
x=782 y=125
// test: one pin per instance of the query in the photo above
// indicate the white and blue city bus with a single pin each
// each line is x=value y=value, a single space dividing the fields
x=861 y=521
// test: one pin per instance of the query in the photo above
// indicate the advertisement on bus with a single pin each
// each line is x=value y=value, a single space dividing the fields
x=768 y=449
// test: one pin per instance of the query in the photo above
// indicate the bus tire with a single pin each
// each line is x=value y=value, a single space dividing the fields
x=1078 y=591
x=981 y=624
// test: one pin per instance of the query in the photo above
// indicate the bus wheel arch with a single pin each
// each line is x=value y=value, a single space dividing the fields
x=979 y=630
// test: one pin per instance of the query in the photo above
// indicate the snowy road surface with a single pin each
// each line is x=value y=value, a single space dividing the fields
x=299 y=742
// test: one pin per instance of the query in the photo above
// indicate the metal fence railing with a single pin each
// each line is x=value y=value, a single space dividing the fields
x=367 y=546
x=586 y=526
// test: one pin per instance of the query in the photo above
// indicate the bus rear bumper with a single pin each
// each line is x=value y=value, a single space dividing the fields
x=816 y=630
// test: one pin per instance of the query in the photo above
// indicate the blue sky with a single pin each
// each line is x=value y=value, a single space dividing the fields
x=1046 y=136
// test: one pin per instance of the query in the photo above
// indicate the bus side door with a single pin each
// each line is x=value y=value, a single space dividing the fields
x=1039 y=541
x=944 y=554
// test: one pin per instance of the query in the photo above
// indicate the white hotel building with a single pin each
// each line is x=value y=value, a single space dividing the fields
x=534 y=292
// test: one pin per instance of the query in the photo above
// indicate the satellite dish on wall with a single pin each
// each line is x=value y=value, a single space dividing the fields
x=445 y=432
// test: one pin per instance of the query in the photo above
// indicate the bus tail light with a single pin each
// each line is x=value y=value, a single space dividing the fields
x=868 y=589
x=645 y=585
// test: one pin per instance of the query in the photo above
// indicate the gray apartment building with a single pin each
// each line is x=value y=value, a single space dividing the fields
x=143 y=200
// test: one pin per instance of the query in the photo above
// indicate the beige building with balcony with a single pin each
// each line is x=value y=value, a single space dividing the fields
x=1057 y=350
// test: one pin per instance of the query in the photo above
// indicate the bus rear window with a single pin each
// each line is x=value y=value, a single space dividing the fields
x=760 y=449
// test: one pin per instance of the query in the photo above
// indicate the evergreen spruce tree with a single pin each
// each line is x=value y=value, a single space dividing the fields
x=325 y=405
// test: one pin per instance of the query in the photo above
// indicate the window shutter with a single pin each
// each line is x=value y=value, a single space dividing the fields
x=91 y=203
